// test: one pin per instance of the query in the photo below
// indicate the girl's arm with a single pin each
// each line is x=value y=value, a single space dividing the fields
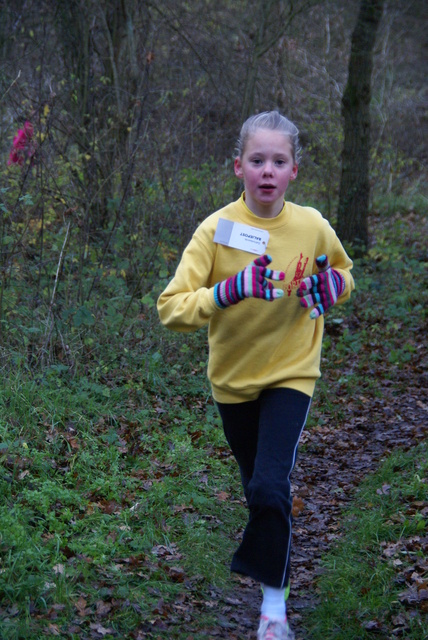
x=329 y=244
x=341 y=262
x=188 y=302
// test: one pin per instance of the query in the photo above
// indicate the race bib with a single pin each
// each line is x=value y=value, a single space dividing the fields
x=241 y=236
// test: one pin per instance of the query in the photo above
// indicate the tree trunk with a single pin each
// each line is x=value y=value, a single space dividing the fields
x=352 y=221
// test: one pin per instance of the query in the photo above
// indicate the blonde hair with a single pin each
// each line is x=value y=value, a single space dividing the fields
x=274 y=121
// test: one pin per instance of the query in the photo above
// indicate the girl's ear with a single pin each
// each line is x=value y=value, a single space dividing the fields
x=294 y=172
x=238 y=168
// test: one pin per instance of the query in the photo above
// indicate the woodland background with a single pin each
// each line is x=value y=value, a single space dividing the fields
x=113 y=465
x=136 y=107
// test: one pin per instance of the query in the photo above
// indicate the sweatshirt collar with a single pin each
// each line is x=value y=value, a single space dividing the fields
x=256 y=221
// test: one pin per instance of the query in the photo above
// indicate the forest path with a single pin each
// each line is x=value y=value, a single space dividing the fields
x=330 y=467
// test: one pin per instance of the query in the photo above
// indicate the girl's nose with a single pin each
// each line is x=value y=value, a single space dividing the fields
x=268 y=168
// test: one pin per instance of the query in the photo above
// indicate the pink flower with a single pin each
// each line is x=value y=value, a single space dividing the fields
x=15 y=158
x=21 y=144
x=20 y=140
x=29 y=129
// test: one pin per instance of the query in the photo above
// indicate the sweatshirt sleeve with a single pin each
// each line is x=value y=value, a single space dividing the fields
x=188 y=302
x=329 y=244
x=341 y=262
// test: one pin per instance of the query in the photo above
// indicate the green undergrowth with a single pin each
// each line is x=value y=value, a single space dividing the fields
x=373 y=580
x=376 y=341
x=114 y=496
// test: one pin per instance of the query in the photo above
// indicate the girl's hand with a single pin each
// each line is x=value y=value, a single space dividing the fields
x=249 y=283
x=322 y=290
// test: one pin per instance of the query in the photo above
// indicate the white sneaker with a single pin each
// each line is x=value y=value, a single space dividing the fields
x=274 y=630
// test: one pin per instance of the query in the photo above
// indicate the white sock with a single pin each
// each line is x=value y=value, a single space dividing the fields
x=273 y=605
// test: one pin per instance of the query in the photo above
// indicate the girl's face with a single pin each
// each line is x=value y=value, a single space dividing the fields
x=266 y=167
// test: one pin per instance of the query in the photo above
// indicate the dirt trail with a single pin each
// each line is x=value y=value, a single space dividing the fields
x=331 y=465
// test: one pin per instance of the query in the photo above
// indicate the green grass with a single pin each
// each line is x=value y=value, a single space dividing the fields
x=380 y=562
x=108 y=501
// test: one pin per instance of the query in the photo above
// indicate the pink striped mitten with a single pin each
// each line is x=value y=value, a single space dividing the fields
x=321 y=290
x=251 y=282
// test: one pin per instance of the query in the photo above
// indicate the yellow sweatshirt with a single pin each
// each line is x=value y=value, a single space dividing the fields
x=255 y=344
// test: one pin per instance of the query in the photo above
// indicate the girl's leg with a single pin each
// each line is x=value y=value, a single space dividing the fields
x=265 y=549
x=241 y=427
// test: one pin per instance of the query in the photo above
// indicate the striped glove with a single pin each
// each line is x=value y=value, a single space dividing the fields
x=249 y=283
x=322 y=290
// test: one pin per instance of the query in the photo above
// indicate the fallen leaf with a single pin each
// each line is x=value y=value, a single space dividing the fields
x=223 y=496
x=298 y=506
x=81 y=607
x=54 y=629
x=58 y=569
x=102 y=608
x=177 y=574
x=95 y=626
x=384 y=491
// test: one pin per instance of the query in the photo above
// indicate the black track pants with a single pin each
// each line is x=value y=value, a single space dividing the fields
x=264 y=435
